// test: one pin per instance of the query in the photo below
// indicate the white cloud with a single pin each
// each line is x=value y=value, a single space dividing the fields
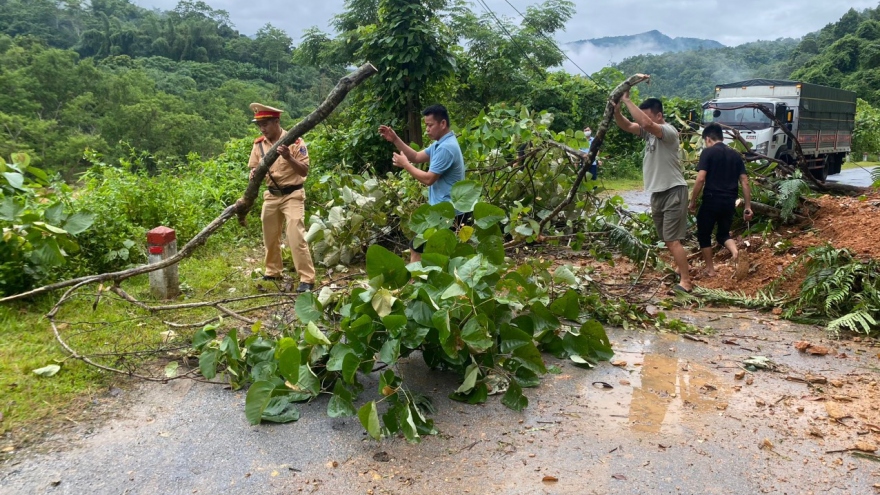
x=730 y=23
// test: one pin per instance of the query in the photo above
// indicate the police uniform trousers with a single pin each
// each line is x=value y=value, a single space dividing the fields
x=277 y=210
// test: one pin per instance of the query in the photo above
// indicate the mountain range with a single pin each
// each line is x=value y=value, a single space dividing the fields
x=648 y=42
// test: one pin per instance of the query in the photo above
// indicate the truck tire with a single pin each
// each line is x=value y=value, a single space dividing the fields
x=822 y=173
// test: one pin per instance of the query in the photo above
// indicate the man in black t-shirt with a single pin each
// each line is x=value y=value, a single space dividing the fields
x=721 y=170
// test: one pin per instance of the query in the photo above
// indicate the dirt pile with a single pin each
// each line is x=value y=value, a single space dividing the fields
x=843 y=222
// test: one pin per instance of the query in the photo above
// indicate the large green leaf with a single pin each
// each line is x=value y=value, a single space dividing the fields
x=442 y=242
x=208 y=363
x=307 y=308
x=48 y=254
x=15 y=180
x=390 y=351
x=394 y=324
x=204 y=336
x=289 y=363
x=530 y=357
x=78 y=223
x=476 y=334
x=315 y=336
x=54 y=214
x=337 y=355
x=514 y=397
x=470 y=379
x=9 y=210
x=229 y=346
x=256 y=401
x=280 y=409
x=384 y=263
x=340 y=404
x=465 y=195
x=568 y=306
x=439 y=216
x=597 y=340
x=350 y=364
x=512 y=338
x=487 y=215
x=383 y=302
x=369 y=416
x=492 y=248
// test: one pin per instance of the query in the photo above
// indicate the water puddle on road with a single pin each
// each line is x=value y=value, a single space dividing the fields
x=656 y=392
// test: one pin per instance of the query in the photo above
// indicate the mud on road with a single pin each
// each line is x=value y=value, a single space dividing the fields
x=683 y=416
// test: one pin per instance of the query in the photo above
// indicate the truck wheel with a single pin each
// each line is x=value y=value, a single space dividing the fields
x=822 y=173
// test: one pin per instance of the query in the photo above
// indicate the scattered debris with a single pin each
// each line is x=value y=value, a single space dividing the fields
x=381 y=456
x=550 y=479
x=619 y=363
x=759 y=362
x=739 y=375
x=602 y=385
x=766 y=444
x=810 y=348
x=619 y=477
x=834 y=411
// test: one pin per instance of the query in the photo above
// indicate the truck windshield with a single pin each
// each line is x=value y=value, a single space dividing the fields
x=731 y=115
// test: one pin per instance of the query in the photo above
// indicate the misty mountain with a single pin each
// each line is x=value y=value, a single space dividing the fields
x=649 y=42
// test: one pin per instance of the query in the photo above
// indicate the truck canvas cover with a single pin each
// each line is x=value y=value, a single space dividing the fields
x=820 y=108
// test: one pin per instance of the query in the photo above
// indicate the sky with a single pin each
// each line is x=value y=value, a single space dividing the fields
x=731 y=23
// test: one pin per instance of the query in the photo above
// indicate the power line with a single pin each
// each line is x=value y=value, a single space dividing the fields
x=552 y=42
x=512 y=40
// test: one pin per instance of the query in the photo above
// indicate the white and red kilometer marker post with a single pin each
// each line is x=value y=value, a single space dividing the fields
x=161 y=245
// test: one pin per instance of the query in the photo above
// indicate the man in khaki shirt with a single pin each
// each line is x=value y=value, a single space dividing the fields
x=284 y=199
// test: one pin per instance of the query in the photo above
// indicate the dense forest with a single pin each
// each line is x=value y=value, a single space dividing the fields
x=119 y=79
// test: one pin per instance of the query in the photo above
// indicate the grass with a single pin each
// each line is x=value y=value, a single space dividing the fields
x=27 y=341
x=618 y=185
x=852 y=165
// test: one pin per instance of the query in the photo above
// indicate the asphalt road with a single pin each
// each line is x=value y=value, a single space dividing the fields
x=677 y=421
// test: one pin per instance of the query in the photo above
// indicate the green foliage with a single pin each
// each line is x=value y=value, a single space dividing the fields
x=843 y=54
x=350 y=212
x=790 y=192
x=127 y=204
x=38 y=229
x=866 y=135
x=839 y=287
x=463 y=307
x=694 y=74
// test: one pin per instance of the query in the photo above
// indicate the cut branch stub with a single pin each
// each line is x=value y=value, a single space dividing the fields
x=598 y=140
x=346 y=84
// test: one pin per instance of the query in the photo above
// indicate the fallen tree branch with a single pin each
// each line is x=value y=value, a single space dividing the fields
x=776 y=213
x=598 y=140
x=346 y=84
x=240 y=208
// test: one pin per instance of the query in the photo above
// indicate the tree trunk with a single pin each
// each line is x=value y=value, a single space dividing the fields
x=414 y=121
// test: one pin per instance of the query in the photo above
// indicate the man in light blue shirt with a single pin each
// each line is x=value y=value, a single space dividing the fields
x=444 y=155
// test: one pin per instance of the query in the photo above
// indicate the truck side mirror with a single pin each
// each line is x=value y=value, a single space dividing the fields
x=781 y=113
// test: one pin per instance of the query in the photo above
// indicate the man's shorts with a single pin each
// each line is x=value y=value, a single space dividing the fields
x=460 y=219
x=669 y=210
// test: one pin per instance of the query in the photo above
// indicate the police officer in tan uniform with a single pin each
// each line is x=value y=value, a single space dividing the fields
x=284 y=199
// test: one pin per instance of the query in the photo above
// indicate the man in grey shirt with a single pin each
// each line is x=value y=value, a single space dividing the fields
x=663 y=177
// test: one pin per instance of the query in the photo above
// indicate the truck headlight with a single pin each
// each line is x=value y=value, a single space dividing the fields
x=761 y=149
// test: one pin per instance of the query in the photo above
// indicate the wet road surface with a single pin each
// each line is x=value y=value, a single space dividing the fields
x=677 y=420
